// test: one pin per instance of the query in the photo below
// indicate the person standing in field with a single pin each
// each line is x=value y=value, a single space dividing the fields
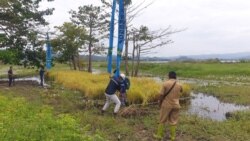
x=169 y=106
x=115 y=84
x=41 y=73
x=10 y=76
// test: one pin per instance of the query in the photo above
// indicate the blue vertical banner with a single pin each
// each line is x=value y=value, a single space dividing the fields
x=121 y=36
x=48 y=53
x=111 y=37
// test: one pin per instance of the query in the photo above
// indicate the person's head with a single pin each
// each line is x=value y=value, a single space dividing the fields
x=122 y=76
x=42 y=67
x=10 y=67
x=172 y=75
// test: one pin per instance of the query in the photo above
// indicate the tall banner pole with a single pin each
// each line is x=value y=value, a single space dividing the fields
x=48 y=53
x=111 y=37
x=121 y=36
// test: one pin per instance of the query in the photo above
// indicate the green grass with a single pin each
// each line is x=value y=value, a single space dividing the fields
x=24 y=121
x=61 y=114
x=238 y=94
x=234 y=129
x=203 y=70
x=19 y=71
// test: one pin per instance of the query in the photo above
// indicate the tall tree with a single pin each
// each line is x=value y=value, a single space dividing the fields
x=132 y=10
x=19 y=19
x=70 y=42
x=94 y=19
x=145 y=41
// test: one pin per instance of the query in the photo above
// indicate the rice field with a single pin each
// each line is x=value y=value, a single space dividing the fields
x=143 y=90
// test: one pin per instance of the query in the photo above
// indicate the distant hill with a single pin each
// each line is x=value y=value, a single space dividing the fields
x=231 y=56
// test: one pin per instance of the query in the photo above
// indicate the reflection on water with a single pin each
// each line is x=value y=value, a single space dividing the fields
x=210 y=107
x=26 y=79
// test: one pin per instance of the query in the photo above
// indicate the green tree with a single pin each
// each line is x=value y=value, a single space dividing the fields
x=94 y=19
x=19 y=19
x=8 y=56
x=132 y=11
x=70 y=43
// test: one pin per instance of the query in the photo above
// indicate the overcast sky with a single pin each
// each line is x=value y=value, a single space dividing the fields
x=213 y=26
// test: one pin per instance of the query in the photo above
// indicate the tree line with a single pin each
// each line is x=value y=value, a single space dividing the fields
x=86 y=33
x=19 y=31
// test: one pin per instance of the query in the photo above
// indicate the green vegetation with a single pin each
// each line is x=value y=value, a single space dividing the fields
x=19 y=71
x=238 y=94
x=20 y=40
x=20 y=120
x=201 y=70
x=235 y=129
x=61 y=114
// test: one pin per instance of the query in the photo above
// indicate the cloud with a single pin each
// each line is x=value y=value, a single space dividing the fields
x=213 y=26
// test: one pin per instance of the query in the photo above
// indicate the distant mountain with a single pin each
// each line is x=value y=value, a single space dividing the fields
x=231 y=56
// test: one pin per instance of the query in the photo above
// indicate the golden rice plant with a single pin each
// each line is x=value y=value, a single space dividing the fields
x=186 y=90
x=91 y=85
x=142 y=90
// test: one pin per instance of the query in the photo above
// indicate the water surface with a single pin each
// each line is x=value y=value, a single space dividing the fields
x=210 y=107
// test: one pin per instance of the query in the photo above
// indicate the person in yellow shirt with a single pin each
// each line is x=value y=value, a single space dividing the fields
x=169 y=106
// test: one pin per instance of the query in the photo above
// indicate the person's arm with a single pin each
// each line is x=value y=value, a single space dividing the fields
x=10 y=73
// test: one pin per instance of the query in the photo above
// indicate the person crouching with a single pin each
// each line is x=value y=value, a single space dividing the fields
x=115 y=84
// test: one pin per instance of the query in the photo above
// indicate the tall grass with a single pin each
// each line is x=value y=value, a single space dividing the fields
x=142 y=90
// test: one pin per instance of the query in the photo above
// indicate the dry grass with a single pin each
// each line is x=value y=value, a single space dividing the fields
x=143 y=90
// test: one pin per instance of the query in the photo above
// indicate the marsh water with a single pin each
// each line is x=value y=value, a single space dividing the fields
x=207 y=106
x=34 y=79
x=200 y=104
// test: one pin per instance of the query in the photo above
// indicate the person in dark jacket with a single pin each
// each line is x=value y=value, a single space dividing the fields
x=123 y=97
x=115 y=84
x=124 y=87
x=10 y=76
x=41 y=73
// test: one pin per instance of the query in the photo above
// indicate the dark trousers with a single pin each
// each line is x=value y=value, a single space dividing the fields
x=41 y=79
x=123 y=99
x=10 y=81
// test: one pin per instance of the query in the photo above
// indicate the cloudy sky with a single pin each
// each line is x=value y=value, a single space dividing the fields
x=213 y=26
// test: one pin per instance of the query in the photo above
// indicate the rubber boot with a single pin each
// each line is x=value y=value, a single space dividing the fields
x=160 y=132
x=172 y=132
